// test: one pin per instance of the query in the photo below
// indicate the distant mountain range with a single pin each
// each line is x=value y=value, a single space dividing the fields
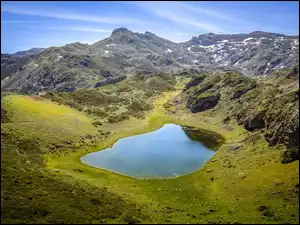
x=11 y=63
x=32 y=51
x=79 y=65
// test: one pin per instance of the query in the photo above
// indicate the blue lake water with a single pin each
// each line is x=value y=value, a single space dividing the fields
x=164 y=153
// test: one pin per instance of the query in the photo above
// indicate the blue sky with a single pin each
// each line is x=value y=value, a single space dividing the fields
x=25 y=25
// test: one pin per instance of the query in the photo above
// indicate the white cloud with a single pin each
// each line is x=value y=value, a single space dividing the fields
x=206 y=11
x=18 y=21
x=176 y=13
x=181 y=34
x=61 y=14
x=83 y=29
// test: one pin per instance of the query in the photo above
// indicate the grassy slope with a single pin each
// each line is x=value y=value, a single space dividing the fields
x=243 y=179
x=29 y=192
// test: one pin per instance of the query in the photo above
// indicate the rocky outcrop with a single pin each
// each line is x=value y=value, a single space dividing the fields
x=109 y=80
x=290 y=155
x=201 y=90
x=195 y=81
x=255 y=122
x=269 y=106
x=202 y=103
x=239 y=93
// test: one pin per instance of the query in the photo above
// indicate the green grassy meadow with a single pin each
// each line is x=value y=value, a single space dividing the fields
x=43 y=180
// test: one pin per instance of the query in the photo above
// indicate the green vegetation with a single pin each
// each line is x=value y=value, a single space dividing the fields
x=200 y=75
x=210 y=139
x=131 y=97
x=32 y=194
x=269 y=105
x=205 y=95
x=139 y=105
x=43 y=180
x=117 y=118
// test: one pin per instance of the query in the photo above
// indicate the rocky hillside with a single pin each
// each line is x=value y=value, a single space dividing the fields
x=125 y=52
x=269 y=105
x=11 y=63
x=256 y=53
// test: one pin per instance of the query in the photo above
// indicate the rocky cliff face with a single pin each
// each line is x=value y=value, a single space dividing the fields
x=269 y=105
x=125 y=52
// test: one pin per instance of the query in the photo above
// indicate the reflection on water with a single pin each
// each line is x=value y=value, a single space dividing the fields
x=167 y=152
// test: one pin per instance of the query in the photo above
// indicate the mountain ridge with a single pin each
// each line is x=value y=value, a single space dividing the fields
x=125 y=52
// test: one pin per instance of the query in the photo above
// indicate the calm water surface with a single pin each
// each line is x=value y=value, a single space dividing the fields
x=166 y=152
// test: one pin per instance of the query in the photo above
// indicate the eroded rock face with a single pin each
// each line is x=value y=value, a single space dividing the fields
x=203 y=103
x=290 y=155
x=270 y=106
x=239 y=93
x=109 y=80
x=256 y=122
x=195 y=81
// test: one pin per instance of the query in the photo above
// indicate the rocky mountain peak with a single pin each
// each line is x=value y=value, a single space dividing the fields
x=124 y=52
x=149 y=33
x=121 y=30
x=123 y=35
x=265 y=34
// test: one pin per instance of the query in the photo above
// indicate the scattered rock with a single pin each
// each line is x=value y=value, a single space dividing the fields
x=58 y=146
x=212 y=210
x=56 y=170
x=209 y=170
x=234 y=147
x=68 y=142
x=262 y=207
x=278 y=183
x=95 y=201
x=212 y=178
x=268 y=213
x=242 y=175
x=226 y=119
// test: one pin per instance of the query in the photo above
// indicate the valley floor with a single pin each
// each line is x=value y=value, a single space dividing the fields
x=244 y=182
